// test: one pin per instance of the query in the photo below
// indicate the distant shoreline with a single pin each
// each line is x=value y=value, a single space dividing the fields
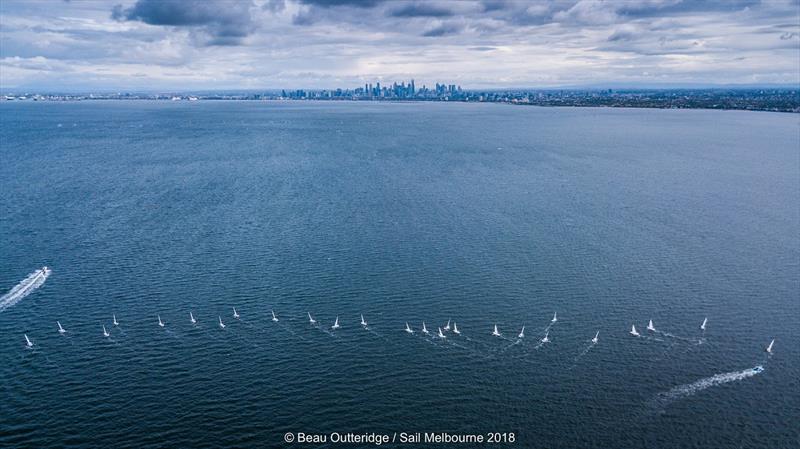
x=790 y=107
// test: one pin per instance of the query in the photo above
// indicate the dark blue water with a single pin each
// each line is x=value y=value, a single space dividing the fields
x=403 y=212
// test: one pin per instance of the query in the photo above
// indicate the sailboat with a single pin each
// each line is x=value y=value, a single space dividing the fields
x=594 y=340
x=105 y=332
x=311 y=320
x=60 y=329
x=28 y=341
x=546 y=338
x=521 y=333
x=633 y=331
x=274 y=318
x=455 y=329
x=191 y=318
x=496 y=332
x=363 y=322
x=408 y=329
x=160 y=323
x=116 y=323
x=235 y=313
x=769 y=348
x=221 y=324
x=650 y=326
x=703 y=326
x=447 y=326
x=441 y=335
x=555 y=318
x=424 y=329
x=335 y=324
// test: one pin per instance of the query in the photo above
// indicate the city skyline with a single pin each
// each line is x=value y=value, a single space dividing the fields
x=152 y=45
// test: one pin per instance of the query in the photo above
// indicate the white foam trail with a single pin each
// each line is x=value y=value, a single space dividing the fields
x=24 y=288
x=682 y=391
x=585 y=351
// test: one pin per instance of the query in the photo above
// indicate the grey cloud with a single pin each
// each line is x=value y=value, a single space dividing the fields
x=443 y=30
x=225 y=22
x=421 y=10
x=620 y=35
x=334 y=3
x=275 y=5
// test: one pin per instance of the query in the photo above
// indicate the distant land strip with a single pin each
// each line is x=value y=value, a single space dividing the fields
x=752 y=99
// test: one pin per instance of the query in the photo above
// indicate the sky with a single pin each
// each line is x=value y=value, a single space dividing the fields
x=151 y=45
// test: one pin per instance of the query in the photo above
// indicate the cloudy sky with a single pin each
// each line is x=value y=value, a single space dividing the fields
x=254 y=44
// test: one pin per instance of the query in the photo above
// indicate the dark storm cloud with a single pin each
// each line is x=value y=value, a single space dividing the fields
x=225 y=22
x=421 y=10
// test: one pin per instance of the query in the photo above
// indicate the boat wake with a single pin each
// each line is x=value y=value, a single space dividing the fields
x=585 y=351
x=24 y=288
x=685 y=390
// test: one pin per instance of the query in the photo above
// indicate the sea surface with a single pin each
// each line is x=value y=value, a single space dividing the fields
x=482 y=214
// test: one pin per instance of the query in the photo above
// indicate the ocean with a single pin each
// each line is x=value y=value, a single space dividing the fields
x=481 y=214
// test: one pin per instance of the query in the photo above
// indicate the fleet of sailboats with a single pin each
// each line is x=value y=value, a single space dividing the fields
x=440 y=330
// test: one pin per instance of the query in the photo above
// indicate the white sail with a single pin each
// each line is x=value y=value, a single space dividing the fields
x=221 y=324
x=311 y=320
x=546 y=338
x=650 y=326
x=555 y=318
x=594 y=340
x=160 y=323
x=363 y=322
x=441 y=335
x=424 y=329
x=335 y=324
x=115 y=320
x=703 y=326
x=769 y=348
x=105 y=332
x=633 y=331
x=191 y=318
x=455 y=329
x=28 y=341
x=274 y=318
x=408 y=329
x=521 y=333
x=60 y=329
x=235 y=313
x=447 y=327
x=495 y=332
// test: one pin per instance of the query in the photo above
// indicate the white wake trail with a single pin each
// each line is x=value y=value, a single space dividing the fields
x=24 y=288
x=685 y=390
